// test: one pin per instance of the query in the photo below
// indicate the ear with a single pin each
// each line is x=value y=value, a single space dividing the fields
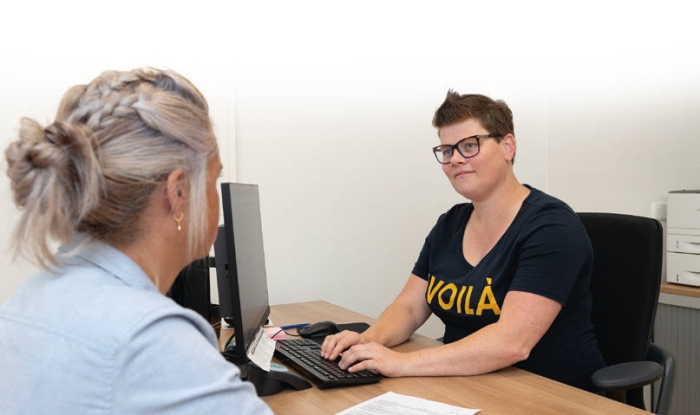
x=509 y=144
x=177 y=190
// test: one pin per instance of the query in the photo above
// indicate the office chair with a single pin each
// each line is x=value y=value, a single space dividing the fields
x=628 y=252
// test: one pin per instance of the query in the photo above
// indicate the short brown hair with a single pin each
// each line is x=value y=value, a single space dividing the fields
x=494 y=116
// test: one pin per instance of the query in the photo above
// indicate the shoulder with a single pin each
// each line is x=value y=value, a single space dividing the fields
x=449 y=223
x=97 y=309
x=541 y=200
x=547 y=220
x=459 y=209
x=142 y=312
x=456 y=213
x=123 y=299
x=539 y=209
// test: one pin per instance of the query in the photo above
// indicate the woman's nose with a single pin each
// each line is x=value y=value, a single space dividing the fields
x=457 y=158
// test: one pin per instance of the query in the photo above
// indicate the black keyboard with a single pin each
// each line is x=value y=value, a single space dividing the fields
x=304 y=356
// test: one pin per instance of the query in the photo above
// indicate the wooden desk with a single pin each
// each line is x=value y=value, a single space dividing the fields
x=508 y=391
x=677 y=289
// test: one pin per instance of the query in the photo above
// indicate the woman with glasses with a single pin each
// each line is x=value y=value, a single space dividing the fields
x=508 y=272
x=124 y=181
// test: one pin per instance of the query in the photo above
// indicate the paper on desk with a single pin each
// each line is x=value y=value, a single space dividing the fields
x=395 y=404
x=261 y=350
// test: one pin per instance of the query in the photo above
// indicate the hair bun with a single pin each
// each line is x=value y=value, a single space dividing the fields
x=43 y=145
x=55 y=177
x=95 y=169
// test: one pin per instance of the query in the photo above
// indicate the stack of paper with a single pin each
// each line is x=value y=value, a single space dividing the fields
x=395 y=404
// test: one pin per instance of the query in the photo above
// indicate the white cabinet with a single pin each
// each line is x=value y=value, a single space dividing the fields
x=683 y=237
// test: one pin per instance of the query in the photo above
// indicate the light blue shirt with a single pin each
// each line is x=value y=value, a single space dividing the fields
x=97 y=337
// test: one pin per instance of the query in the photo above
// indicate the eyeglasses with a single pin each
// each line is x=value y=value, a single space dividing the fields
x=467 y=147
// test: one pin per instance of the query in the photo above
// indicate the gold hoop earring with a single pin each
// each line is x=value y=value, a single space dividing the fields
x=179 y=219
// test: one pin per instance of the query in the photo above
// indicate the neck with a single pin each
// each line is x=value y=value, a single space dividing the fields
x=159 y=248
x=504 y=202
x=150 y=259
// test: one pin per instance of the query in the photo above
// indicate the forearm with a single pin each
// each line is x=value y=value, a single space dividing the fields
x=487 y=350
x=524 y=320
x=402 y=317
x=395 y=325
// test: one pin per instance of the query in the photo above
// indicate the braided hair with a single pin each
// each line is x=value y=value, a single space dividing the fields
x=95 y=167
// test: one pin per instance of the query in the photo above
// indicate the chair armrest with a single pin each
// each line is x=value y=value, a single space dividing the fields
x=628 y=375
x=664 y=358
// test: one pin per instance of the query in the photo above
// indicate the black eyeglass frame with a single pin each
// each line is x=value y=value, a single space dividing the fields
x=455 y=146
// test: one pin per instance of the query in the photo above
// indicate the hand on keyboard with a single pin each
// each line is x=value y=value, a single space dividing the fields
x=305 y=356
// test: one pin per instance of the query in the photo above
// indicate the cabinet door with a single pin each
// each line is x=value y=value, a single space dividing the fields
x=683 y=268
x=687 y=244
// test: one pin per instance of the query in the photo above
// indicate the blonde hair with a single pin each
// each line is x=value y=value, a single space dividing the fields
x=112 y=142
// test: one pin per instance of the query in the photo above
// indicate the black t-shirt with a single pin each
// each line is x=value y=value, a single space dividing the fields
x=545 y=251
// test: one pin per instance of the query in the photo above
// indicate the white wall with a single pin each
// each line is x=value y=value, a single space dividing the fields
x=333 y=122
x=46 y=47
x=332 y=108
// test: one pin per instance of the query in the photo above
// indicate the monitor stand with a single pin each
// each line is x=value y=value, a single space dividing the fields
x=272 y=382
x=266 y=383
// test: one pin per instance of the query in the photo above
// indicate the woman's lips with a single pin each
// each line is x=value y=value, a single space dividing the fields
x=462 y=173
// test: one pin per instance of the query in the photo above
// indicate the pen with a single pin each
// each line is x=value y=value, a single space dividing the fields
x=295 y=326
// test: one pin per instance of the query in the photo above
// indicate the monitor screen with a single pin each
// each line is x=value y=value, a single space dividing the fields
x=240 y=265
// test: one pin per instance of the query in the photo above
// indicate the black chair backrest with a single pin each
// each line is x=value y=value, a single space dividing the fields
x=628 y=255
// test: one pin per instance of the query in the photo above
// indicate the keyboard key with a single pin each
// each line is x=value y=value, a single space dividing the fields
x=304 y=356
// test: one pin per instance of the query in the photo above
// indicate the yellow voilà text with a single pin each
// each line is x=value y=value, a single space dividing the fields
x=451 y=297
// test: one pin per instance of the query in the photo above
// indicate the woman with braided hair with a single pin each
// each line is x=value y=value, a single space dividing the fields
x=124 y=183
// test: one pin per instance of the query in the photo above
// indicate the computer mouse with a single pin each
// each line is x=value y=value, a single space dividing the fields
x=319 y=329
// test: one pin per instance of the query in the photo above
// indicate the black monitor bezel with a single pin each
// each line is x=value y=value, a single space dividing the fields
x=231 y=274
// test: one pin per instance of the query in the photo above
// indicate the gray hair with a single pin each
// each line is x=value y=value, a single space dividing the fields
x=112 y=142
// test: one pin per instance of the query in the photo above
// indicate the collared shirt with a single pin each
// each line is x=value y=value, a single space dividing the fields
x=96 y=337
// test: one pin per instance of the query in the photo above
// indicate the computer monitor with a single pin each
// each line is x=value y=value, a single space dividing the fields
x=240 y=265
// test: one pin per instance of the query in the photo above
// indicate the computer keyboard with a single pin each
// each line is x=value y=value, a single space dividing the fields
x=304 y=356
